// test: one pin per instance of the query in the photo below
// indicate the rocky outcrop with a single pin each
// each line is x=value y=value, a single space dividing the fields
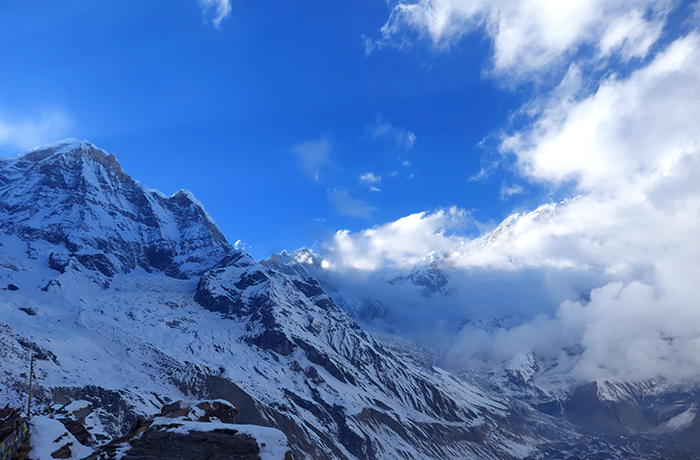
x=196 y=430
x=222 y=444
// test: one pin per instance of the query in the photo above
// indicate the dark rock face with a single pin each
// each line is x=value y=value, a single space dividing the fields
x=221 y=444
x=74 y=195
x=63 y=451
x=208 y=411
x=77 y=429
x=120 y=414
x=690 y=437
x=182 y=430
x=587 y=410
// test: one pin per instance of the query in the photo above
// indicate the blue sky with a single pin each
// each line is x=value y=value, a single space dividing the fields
x=222 y=111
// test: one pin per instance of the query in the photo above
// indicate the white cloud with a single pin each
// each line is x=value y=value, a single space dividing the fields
x=314 y=156
x=626 y=135
x=410 y=139
x=631 y=149
x=346 y=205
x=382 y=129
x=221 y=10
x=509 y=190
x=399 y=244
x=369 y=179
x=24 y=133
x=530 y=35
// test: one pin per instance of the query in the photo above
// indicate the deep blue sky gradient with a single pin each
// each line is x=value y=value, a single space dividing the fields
x=185 y=105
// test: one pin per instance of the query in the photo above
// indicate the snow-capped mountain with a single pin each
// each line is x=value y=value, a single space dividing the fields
x=77 y=197
x=429 y=275
x=130 y=299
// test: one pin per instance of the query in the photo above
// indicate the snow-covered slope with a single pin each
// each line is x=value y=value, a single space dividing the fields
x=130 y=299
x=550 y=399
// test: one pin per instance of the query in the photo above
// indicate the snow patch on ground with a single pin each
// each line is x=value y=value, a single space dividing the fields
x=681 y=421
x=48 y=435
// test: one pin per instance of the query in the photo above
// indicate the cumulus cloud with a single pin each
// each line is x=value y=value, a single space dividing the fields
x=611 y=274
x=24 y=133
x=401 y=244
x=346 y=205
x=220 y=9
x=625 y=135
x=370 y=180
x=314 y=156
x=530 y=35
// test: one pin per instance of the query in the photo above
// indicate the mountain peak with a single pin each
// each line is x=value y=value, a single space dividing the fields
x=73 y=194
x=72 y=150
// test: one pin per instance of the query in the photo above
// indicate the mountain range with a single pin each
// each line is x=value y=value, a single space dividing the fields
x=130 y=300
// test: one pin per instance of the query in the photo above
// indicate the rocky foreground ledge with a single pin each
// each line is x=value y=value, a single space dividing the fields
x=181 y=431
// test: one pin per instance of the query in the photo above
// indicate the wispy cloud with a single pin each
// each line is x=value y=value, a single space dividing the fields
x=400 y=137
x=24 y=133
x=509 y=190
x=346 y=205
x=529 y=36
x=221 y=9
x=314 y=156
